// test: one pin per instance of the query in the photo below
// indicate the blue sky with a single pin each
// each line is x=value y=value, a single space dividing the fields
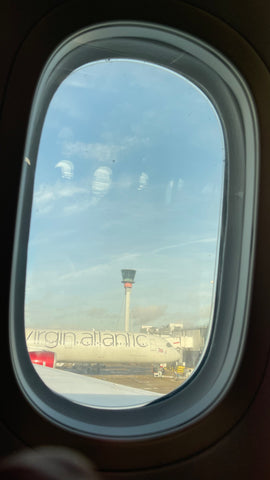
x=129 y=175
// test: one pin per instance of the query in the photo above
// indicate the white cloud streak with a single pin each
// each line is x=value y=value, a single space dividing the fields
x=46 y=195
x=143 y=181
x=105 y=152
x=67 y=168
x=97 y=151
x=185 y=244
x=101 y=182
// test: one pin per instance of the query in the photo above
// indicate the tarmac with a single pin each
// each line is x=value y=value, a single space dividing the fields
x=164 y=384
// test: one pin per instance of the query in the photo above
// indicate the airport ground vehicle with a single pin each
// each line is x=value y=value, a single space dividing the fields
x=232 y=437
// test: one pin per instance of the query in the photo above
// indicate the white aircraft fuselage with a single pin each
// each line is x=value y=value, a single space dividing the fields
x=101 y=346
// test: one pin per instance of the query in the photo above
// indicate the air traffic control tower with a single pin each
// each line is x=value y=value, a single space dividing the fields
x=128 y=280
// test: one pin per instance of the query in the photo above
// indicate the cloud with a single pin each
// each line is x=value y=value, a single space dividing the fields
x=102 y=75
x=43 y=195
x=101 y=182
x=70 y=190
x=86 y=272
x=143 y=181
x=134 y=140
x=185 y=244
x=106 y=152
x=68 y=105
x=81 y=79
x=98 y=151
x=46 y=195
x=78 y=207
x=67 y=168
x=53 y=236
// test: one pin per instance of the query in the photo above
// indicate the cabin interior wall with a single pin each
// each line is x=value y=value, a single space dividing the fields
x=245 y=449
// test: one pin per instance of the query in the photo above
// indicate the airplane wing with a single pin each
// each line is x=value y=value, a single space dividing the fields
x=93 y=392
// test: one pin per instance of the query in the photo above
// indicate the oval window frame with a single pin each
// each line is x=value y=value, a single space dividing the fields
x=213 y=74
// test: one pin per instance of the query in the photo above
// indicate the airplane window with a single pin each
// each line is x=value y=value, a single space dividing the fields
x=124 y=234
x=134 y=242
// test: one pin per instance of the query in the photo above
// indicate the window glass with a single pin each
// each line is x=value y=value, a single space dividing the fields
x=124 y=233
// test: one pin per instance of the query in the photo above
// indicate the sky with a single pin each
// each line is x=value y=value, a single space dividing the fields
x=129 y=174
